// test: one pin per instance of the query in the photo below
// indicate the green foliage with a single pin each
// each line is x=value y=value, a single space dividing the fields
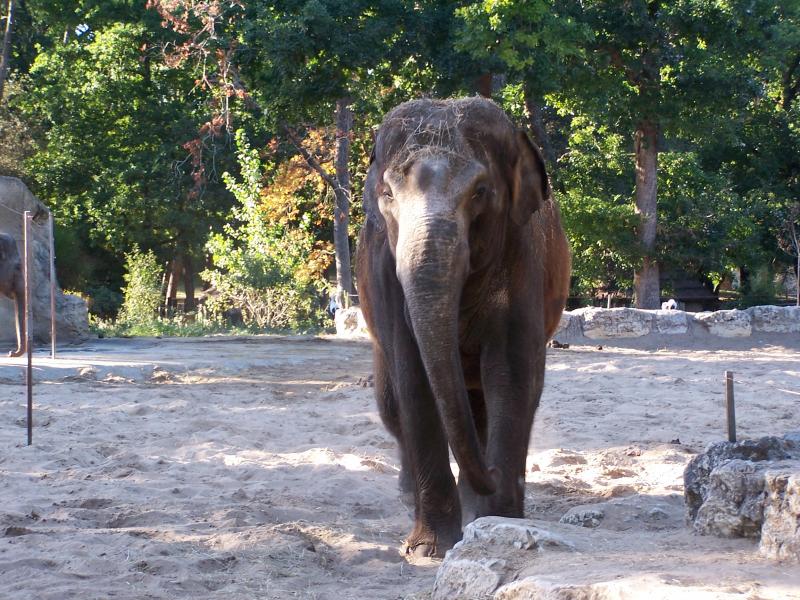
x=142 y=292
x=163 y=327
x=596 y=208
x=259 y=263
x=122 y=126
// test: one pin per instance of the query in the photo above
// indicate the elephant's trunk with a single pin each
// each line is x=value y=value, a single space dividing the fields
x=432 y=264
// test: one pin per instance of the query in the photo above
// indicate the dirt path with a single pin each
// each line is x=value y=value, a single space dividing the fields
x=258 y=468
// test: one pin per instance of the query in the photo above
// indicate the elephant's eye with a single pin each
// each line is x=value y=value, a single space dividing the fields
x=481 y=193
x=386 y=196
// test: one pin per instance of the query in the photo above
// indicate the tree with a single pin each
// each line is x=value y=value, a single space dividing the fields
x=5 y=55
x=310 y=62
x=533 y=43
x=119 y=159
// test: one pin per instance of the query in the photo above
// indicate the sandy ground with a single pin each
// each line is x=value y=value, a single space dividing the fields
x=258 y=468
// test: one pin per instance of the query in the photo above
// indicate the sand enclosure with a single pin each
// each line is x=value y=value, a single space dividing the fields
x=258 y=468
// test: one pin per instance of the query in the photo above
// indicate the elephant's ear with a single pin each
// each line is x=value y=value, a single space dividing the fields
x=370 y=202
x=530 y=187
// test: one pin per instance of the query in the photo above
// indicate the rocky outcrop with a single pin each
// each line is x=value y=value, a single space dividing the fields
x=725 y=323
x=71 y=314
x=522 y=559
x=775 y=319
x=748 y=489
x=590 y=324
x=492 y=552
x=616 y=322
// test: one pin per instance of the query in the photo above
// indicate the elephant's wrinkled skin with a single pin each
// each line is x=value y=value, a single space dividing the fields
x=12 y=286
x=463 y=271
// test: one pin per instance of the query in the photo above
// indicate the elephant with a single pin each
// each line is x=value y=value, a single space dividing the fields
x=12 y=286
x=463 y=272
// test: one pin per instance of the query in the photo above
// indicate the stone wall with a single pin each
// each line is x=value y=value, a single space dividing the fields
x=590 y=324
x=71 y=314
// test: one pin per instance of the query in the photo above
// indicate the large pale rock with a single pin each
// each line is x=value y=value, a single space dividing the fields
x=651 y=587
x=775 y=319
x=72 y=322
x=492 y=552
x=616 y=322
x=748 y=489
x=569 y=327
x=725 y=323
x=780 y=535
x=670 y=322
x=520 y=559
x=350 y=323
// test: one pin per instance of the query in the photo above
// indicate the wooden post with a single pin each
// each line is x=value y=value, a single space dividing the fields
x=28 y=276
x=730 y=408
x=52 y=290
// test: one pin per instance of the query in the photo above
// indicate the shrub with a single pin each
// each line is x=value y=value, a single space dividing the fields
x=142 y=292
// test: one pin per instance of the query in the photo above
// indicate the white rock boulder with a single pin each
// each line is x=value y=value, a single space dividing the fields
x=775 y=319
x=725 y=323
x=599 y=323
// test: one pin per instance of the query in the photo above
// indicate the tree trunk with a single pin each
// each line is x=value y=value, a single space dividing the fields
x=483 y=85
x=189 y=304
x=341 y=213
x=171 y=298
x=645 y=280
x=533 y=106
x=5 y=58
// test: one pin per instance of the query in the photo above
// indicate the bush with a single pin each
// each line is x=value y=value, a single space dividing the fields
x=142 y=292
x=261 y=264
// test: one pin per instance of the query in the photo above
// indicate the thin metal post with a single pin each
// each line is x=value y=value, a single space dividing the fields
x=730 y=408
x=52 y=292
x=28 y=276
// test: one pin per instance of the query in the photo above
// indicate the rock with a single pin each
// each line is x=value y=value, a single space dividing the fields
x=648 y=586
x=748 y=489
x=616 y=322
x=670 y=322
x=642 y=511
x=725 y=323
x=775 y=319
x=734 y=506
x=780 y=535
x=583 y=516
x=569 y=327
x=493 y=551
x=350 y=323
x=72 y=323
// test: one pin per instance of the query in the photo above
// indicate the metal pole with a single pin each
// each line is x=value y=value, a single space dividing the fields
x=730 y=408
x=52 y=292
x=28 y=275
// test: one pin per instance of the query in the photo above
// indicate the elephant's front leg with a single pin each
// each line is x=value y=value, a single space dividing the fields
x=437 y=514
x=512 y=371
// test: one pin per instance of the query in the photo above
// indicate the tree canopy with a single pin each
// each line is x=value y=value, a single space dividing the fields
x=671 y=130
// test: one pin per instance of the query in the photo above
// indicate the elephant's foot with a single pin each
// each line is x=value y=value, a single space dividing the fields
x=424 y=543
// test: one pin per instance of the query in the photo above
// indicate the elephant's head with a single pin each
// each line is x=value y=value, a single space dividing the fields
x=448 y=183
